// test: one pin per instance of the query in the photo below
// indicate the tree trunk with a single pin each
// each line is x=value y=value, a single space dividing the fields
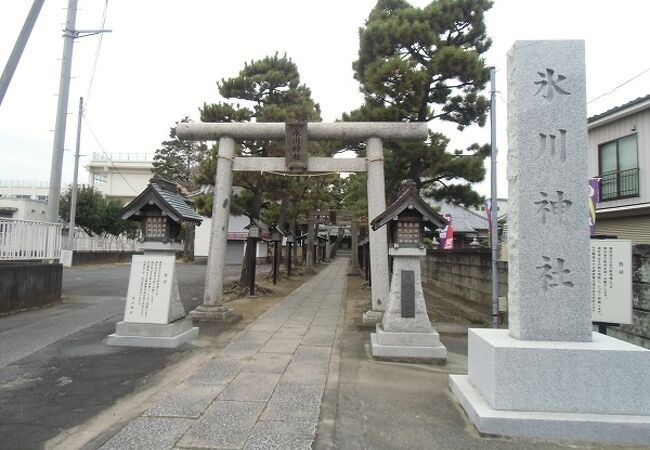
x=247 y=263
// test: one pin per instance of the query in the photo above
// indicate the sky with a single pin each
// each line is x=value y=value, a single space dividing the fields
x=163 y=58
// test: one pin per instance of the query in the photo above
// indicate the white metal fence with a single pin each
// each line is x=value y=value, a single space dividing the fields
x=26 y=239
x=83 y=242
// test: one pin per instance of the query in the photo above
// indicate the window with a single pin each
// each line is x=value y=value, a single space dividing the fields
x=619 y=168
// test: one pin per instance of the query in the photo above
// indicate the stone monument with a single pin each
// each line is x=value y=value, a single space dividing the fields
x=549 y=377
x=405 y=333
x=154 y=315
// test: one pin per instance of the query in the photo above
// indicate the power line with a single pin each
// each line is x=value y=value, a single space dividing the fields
x=99 y=46
x=620 y=85
x=107 y=155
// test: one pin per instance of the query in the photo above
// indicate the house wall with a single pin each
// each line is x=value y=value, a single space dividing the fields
x=636 y=229
x=25 y=209
x=618 y=129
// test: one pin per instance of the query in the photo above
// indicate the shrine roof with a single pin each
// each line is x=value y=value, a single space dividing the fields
x=409 y=198
x=165 y=195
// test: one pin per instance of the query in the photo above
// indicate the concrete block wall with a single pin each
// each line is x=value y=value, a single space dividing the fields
x=639 y=331
x=29 y=285
x=465 y=274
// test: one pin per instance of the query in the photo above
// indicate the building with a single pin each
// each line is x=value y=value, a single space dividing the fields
x=502 y=209
x=467 y=224
x=120 y=176
x=23 y=209
x=619 y=154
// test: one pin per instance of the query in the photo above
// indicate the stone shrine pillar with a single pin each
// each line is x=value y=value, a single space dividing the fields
x=549 y=377
x=378 y=241
x=212 y=308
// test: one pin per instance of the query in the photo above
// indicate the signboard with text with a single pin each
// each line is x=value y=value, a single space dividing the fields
x=296 y=146
x=611 y=280
x=150 y=289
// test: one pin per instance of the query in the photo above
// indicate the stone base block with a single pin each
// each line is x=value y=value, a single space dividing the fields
x=598 y=377
x=554 y=390
x=407 y=347
x=549 y=426
x=172 y=335
x=214 y=314
x=371 y=318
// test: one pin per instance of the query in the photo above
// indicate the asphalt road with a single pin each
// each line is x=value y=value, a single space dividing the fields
x=53 y=360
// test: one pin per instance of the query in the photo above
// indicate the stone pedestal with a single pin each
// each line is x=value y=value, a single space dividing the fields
x=415 y=347
x=556 y=390
x=371 y=318
x=405 y=333
x=208 y=313
x=154 y=315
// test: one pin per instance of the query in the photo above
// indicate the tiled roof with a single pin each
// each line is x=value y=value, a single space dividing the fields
x=165 y=195
x=462 y=219
x=618 y=108
x=176 y=201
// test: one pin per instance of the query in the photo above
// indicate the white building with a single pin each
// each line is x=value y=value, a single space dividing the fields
x=120 y=176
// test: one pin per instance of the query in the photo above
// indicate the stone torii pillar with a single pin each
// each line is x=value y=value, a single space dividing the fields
x=373 y=133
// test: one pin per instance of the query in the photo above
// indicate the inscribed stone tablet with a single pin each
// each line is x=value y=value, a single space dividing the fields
x=150 y=289
x=408 y=293
x=548 y=234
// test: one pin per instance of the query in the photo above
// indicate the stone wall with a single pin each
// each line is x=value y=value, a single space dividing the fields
x=465 y=274
x=29 y=285
x=639 y=331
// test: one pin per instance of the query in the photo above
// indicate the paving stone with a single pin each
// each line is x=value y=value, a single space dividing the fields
x=268 y=363
x=218 y=371
x=282 y=435
x=319 y=337
x=317 y=355
x=294 y=402
x=251 y=387
x=224 y=425
x=242 y=349
x=301 y=374
x=290 y=332
x=185 y=401
x=149 y=433
x=281 y=345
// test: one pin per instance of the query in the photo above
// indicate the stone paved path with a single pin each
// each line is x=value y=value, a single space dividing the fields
x=264 y=390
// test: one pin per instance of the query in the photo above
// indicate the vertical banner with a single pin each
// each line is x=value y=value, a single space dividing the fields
x=447 y=235
x=594 y=195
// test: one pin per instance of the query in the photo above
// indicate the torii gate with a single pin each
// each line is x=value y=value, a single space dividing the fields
x=373 y=133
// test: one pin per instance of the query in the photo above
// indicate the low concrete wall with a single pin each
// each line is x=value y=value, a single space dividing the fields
x=29 y=285
x=639 y=331
x=465 y=274
x=80 y=258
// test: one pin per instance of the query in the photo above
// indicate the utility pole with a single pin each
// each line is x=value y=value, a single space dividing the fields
x=69 y=35
x=73 y=199
x=61 y=114
x=17 y=52
x=494 y=202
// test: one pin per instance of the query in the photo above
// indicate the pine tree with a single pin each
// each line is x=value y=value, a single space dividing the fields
x=423 y=65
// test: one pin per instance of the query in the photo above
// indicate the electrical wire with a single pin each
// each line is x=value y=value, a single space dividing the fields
x=107 y=154
x=97 y=50
x=620 y=85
